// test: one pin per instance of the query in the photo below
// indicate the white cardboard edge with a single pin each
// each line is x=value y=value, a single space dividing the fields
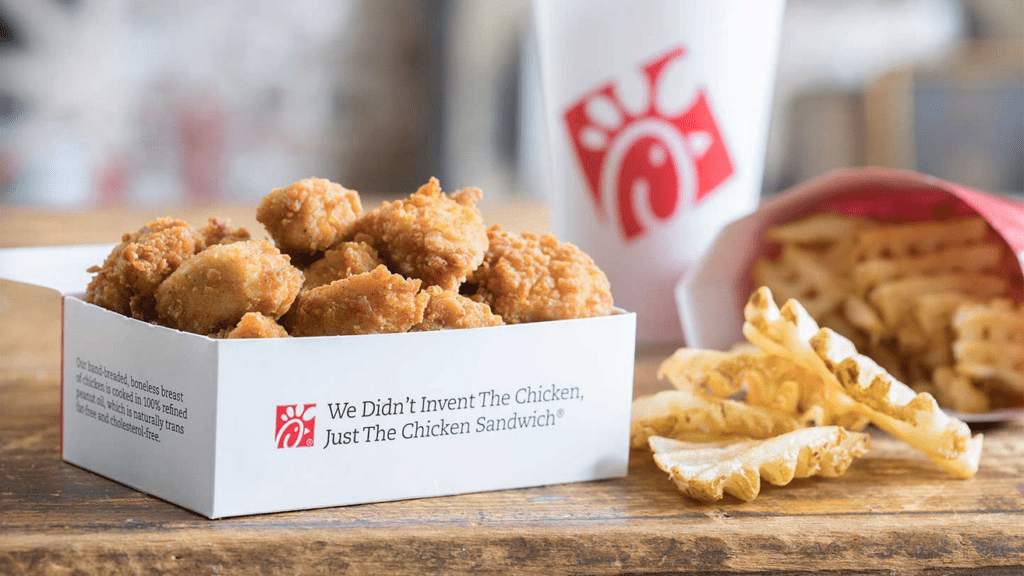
x=99 y=428
x=711 y=295
x=60 y=268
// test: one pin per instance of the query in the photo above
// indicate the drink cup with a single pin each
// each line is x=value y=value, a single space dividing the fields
x=657 y=117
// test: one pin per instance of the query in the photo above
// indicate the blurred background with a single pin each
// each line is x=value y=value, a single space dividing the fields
x=132 y=102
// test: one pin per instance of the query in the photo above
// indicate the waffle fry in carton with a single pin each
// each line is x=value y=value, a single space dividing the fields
x=884 y=258
x=707 y=471
x=974 y=258
x=990 y=343
x=855 y=383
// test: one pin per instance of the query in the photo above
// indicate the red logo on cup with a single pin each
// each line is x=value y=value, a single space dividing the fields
x=295 y=425
x=645 y=162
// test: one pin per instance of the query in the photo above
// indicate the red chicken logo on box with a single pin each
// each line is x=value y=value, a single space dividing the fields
x=643 y=161
x=296 y=424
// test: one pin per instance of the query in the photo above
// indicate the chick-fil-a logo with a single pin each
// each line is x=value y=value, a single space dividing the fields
x=645 y=163
x=296 y=424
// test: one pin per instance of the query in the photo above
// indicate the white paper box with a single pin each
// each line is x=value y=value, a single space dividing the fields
x=196 y=421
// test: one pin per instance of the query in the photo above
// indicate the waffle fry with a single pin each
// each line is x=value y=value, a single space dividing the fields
x=990 y=343
x=893 y=300
x=964 y=259
x=958 y=392
x=934 y=314
x=1002 y=362
x=819 y=229
x=854 y=383
x=839 y=321
x=915 y=239
x=997 y=321
x=686 y=415
x=801 y=274
x=898 y=286
x=768 y=381
x=861 y=315
x=708 y=471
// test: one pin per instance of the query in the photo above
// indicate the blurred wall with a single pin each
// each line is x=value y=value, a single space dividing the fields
x=131 y=101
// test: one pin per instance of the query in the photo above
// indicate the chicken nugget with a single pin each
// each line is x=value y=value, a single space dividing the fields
x=437 y=238
x=127 y=280
x=375 y=302
x=215 y=288
x=344 y=260
x=218 y=231
x=447 y=310
x=531 y=278
x=253 y=325
x=310 y=215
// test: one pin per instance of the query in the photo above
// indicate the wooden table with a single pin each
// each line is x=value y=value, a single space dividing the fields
x=893 y=511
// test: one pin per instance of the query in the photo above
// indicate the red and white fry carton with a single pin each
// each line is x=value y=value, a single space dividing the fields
x=710 y=297
x=234 y=427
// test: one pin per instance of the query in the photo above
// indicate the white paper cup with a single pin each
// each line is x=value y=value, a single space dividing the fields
x=657 y=117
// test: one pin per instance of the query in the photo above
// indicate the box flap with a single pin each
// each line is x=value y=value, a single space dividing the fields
x=60 y=268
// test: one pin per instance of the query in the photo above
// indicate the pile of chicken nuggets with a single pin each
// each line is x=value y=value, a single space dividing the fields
x=426 y=262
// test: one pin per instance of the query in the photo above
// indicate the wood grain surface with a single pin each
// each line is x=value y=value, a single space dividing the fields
x=893 y=512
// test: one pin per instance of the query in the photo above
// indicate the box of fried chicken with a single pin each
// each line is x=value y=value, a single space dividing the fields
x=403 y=353
x=921 y=275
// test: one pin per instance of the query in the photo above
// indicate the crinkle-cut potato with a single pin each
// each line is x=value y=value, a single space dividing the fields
x=819 y=229
x=767 y=381
x=855 y=383
x=958 y=392
x=895 y=299
x=914 y=239
x=898 y=285
x=770 y=380
x=997 y=321
x=934 y=314
x=708 y=471
x=982 y=359
x=972 y=258
x=861 y=315
x=801 y=274
x=689 y=415
x=990 y=343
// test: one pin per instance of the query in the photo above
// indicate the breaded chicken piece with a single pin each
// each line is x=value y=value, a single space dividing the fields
x=447 y=310
x=437 y=238
x=531 y=278
x=218 y=231
x=376 y=302
x=344 y=260
x=215 y=288
x=310 y=215
x=253 y=325
x=127 y=280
